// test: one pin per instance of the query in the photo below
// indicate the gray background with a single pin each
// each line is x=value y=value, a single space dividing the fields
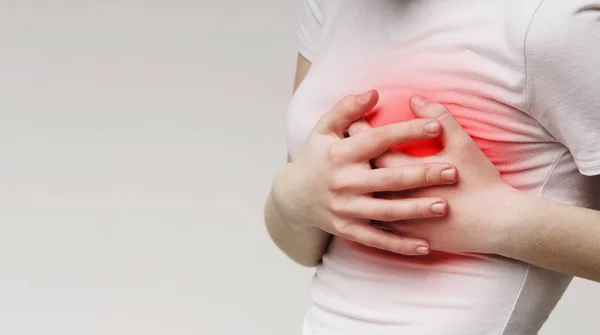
x=137 y=143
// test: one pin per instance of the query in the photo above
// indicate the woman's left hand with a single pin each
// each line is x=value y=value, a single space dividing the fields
x=481 y=203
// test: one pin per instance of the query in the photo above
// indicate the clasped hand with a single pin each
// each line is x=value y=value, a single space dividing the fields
x=480 y=204
x=331 y=184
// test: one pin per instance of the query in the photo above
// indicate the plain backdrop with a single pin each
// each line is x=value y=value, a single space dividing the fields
x=138 y=140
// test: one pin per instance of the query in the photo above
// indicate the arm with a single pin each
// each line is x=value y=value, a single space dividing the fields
x=305 y=246
x=488 y=216
x=554 y=236
x=562 y=63
x=329 y=185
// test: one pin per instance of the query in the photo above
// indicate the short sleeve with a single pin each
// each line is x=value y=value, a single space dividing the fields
x=562 y=51
x=310 y=26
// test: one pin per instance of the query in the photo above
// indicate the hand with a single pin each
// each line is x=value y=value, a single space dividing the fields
x=480 y=202
x=330 y=184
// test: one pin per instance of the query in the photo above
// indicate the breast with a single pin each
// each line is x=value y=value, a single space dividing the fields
x=488 y=101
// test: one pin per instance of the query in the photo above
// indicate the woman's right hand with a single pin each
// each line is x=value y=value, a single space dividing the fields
x=330 y=184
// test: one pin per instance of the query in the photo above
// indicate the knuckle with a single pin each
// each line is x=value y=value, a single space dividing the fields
x=395 y=178
x=336 y=206
x=335 y=154
x=415 y=129
x=388 y=214
x=386 y=180
x=429 y=174
x=417 y=210
x=382 y=134
x=348 y=102
x=439 y=108
x=338 y=183
x=398 y=177
x=339 y=225
x=388 y=132
x=346 y=229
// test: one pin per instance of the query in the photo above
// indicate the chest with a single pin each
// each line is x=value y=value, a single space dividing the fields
x=467 y=55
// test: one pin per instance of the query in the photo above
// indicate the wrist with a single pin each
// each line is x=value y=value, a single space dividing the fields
x=283 y=198
x=517 y=225
x=304 y=246
x=280 y=193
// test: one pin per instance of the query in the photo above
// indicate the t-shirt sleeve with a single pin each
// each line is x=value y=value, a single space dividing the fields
x=310 y=26
x=562 y=51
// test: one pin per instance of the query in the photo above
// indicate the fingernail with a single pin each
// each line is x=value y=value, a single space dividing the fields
x=364 y=98
x=449 y=175
x=438 y=208
x=432 y=127
x=418 y=100
x=422 y=250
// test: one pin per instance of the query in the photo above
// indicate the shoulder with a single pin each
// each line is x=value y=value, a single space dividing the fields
x=564 y=32
x=314 y=20
x=320 y=10
x=561 y=50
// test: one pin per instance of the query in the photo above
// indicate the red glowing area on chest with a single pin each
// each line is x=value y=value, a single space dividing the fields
x=386 y=115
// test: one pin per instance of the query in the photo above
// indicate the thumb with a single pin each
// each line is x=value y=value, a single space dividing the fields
x=453 y=133
x=347 y=111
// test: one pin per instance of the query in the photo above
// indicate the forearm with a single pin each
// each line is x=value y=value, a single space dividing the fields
x=555 y=236
x=305 y=246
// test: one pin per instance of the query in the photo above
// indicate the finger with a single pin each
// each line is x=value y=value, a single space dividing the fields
x=397 y=178
x=379 y=239
x=453 y=133
x=375 y=141
x=394 y=210
x=395 y=159
x=358 y=127
x=348 y=110
x=412 y=228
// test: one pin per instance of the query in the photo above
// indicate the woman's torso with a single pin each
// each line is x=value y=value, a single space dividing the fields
x=468 y=55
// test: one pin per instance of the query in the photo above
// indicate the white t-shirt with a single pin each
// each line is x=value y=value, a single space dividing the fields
x=523 y=78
